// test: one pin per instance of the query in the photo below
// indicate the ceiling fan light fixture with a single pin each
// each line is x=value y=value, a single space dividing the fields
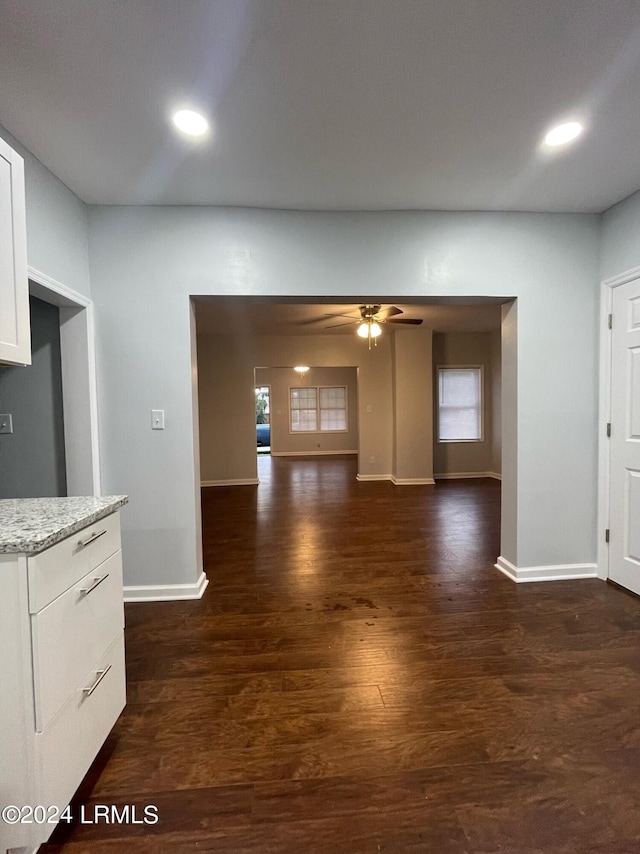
x=369 y=329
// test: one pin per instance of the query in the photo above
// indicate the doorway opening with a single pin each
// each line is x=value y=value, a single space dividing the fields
x=32 y=451
x=79 y=389
x=234 y=334
x=619 y=498
x=263 y=420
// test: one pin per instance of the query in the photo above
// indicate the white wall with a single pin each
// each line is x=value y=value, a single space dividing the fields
x=57 y=242
x=145 y=262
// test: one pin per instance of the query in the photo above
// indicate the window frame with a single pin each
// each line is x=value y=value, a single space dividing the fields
x=319 y=410
x=480 y=369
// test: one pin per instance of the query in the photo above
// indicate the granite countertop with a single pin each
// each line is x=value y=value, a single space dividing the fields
x=30 y=525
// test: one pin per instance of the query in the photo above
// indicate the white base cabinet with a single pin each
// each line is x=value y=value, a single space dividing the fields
x=62 y=675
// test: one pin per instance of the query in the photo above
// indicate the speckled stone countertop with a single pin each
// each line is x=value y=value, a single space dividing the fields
x=30 y=525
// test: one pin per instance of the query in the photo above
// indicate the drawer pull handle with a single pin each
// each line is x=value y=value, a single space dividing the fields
x=96 y=581
x=91 y=539
x=100 y=674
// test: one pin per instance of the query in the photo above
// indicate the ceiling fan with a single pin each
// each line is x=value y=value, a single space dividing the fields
x=371 y=318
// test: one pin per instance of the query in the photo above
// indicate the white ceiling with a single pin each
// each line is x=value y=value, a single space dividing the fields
x=328 y=104
x=254 y=316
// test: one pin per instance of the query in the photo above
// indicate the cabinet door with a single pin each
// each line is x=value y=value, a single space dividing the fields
x=15 y=333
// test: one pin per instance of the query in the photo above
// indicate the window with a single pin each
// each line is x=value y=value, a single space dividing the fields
x=460 y=404
x=333 y=408
x=304 y=410
x=320 y=409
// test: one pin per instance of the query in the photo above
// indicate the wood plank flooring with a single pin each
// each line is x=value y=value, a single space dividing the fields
x=359 y=678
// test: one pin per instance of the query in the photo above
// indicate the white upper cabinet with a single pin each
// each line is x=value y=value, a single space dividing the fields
x=15 y=333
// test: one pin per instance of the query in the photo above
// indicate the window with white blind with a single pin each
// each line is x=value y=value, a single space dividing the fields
x=304 y=410
x=318 y=409
x=460 y=417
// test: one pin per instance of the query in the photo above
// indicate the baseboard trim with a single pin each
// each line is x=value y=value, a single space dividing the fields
x=166 y=592
x=243 y=481
x=460 y=475
x=310 y=453
x=412 y=481
x=397 y=481
x=562 y=572
x=372 y=477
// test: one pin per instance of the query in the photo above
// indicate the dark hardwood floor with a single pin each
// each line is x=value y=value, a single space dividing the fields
x=359 y=678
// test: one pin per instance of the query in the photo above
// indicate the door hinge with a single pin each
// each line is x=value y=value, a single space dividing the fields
x=610 y=321
x=606 y=536
x=609 y=430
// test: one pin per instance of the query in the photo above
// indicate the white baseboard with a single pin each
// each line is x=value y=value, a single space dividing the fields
x=315 y=453
x=412 y=481
x=166 y=592
x=397 y=481
x=243 y=481
x=562 y=572
x=459 y=475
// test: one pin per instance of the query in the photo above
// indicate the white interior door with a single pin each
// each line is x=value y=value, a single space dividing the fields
x=624 y=513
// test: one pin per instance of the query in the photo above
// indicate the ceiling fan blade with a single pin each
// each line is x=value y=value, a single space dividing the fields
x=309 y=321
x=386 y=313
x=322 y=319
x=336 y=325
x=413 y=321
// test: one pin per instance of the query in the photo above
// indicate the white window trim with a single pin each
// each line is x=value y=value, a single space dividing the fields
x=318 y=387
x=482 y=407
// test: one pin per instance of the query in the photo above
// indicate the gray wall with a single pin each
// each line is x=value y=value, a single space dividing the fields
x=57 y=243
x=32 y=461
x=280 y=380
x=145 y=262
x=620 y=246
x=470 y=348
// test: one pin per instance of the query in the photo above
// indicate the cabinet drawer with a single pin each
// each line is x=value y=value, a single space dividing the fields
x=72 y=632
x=54 y=570
x=70 y=743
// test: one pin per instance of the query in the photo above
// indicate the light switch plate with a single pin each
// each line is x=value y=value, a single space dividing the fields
x=6 y=424
x=157 y=419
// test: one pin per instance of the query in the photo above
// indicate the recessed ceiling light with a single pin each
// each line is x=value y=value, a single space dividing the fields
x=563 y=134
x=190 y=122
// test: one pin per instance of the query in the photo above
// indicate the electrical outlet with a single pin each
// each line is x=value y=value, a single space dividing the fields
x=6 y=424
x=372 y=459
